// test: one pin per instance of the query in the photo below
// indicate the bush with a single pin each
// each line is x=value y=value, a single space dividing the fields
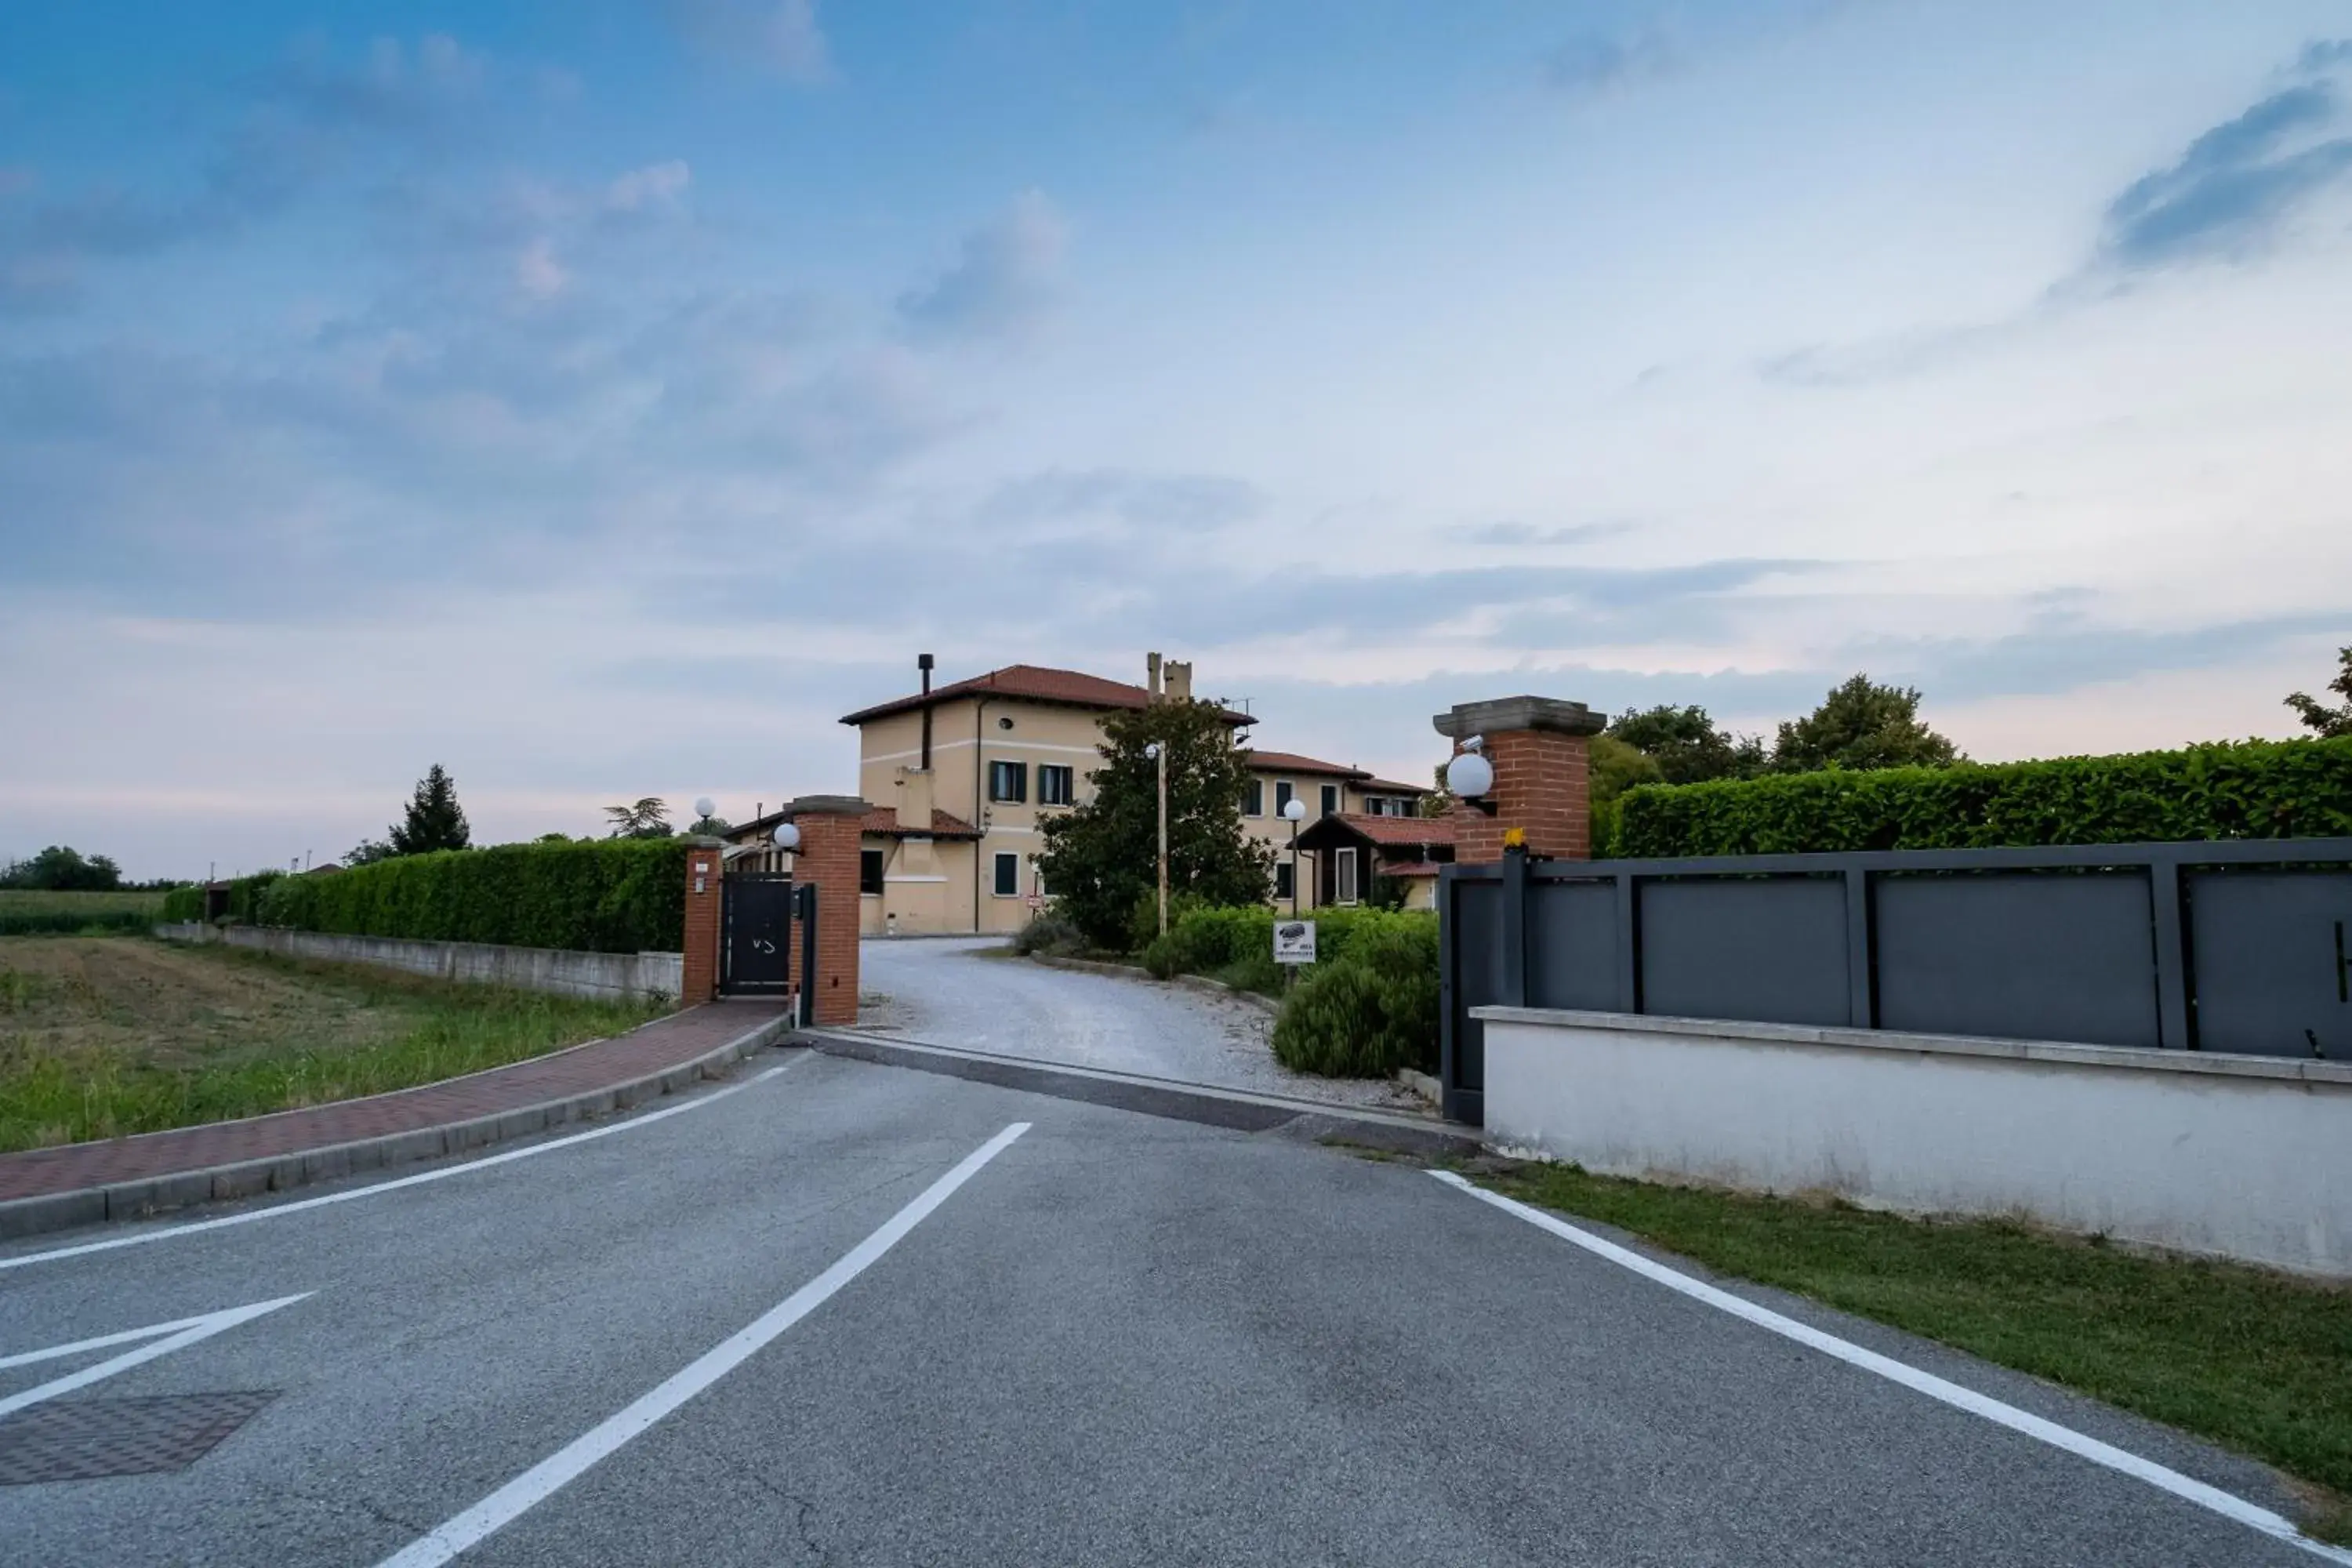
x=1049 y=932
x=184 y=904
x=2252 y=789
x=1371 y=1012
x=602 y=896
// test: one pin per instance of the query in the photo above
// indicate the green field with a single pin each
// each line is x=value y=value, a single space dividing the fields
x=26 y=911
x=101 y=1037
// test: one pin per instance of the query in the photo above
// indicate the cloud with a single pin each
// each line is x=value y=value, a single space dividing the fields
x=537 y=273
x=1004 y=283
x=656 y=184
x=1191 y=503
x=310 y=116
x=1514 y=534
x=2324 y=55
x=2231 y=191
x=779 y=37
x=1593 y=63
x=2066 y=651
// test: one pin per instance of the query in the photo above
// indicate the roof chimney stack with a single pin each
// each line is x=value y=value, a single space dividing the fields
x=923 y=663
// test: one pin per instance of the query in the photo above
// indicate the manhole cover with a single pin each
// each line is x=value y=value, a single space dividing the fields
x=85 y=1439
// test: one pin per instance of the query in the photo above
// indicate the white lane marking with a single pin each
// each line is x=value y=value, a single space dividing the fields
x=190 y=1330
x=568 y=1463
x=167 y=1233
x=2187 y=1488
x=58 y=1353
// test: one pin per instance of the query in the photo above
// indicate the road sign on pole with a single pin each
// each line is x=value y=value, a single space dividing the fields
x=1294 y=941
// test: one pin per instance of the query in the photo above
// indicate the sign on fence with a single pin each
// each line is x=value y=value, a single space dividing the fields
x=1294 y=941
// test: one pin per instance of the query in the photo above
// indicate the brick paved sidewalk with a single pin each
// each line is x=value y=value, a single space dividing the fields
x=663 y=1045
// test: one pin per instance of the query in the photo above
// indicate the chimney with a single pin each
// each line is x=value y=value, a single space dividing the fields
x=923 y=663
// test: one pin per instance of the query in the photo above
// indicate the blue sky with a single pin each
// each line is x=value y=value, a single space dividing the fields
x=601 y=399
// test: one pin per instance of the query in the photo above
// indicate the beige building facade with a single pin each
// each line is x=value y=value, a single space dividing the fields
x=963 y=776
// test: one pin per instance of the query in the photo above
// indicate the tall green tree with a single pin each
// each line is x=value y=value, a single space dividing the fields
x=1101 y=858
x=60 y=869
x=1859 y=725
x=646 y=819
x=434 y=821
x=1688 y=746
x=2328 y=721
x=1613 y=767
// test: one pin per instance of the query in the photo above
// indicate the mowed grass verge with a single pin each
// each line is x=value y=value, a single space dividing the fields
x=27 y=911
x=2257 y=1362
x=102 y=1036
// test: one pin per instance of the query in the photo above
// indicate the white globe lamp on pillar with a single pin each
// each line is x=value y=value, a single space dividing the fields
x=1470 y=775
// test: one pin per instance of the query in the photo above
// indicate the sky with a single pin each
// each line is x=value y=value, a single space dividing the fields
x=601 y=399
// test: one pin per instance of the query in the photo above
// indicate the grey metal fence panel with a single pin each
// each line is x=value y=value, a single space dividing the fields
x=1769 y=948
x=1478 y=931
x=1572 y=946
x=2019 y=955
x=2273 y=961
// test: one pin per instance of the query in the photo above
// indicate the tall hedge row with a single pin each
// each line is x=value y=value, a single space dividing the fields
x=607 y=896
x=245 y=899
x=2252 y=789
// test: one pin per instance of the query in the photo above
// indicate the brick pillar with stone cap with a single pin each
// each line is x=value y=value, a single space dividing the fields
x=698 y=979
x=1538 y=747
x=831 y=826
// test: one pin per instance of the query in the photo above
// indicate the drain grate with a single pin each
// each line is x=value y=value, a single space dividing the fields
x=86 y=1439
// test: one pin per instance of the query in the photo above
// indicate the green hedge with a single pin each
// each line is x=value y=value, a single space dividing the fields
x=184 y=904
x=602 y=896
x=1236 y=945
x=2252 y=789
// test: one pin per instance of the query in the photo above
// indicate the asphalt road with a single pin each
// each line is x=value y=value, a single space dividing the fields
x=948 y=991
x=1120 y=1338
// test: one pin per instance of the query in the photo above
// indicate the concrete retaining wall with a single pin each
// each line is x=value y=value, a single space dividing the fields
x=2243 y=1157
x=564 y=973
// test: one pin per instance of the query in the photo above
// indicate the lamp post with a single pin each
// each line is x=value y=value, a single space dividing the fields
x=1158 y=756
x=1295 y=812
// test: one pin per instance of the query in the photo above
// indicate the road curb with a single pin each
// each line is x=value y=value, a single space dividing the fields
x=279 y=1173
x=1240 y=1109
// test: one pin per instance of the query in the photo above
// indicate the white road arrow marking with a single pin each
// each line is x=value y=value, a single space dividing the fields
x=167 y=1337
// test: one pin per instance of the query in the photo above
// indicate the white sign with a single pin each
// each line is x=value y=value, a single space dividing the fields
x=1294 y=941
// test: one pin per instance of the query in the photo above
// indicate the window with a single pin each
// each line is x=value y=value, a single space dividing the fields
x=1285 y=877
x=1254 y=798
x=869 y=870
x=1008 y=781
x=1343 y=869
x=1008 y=875
x=1056 y=785
x=1330 y=799
x=1281 y=795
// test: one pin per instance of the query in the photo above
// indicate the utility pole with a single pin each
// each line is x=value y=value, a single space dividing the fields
x=1163 y=840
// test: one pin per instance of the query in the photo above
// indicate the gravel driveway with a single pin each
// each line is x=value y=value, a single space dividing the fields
x=969 y=991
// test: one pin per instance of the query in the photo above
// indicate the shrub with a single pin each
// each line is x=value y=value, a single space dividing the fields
x=184 y=903
x=2252 y=789
x=599 y=895
x=1049 y=932
x=1371 y=1012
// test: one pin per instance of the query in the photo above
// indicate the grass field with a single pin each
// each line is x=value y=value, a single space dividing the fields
x=100 y=1036
x=2255 y=1360
x=23 y=911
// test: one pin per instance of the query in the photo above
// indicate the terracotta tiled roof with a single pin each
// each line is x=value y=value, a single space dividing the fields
x=1036 y=683
x=1390 y=786
x=883 y=821
x=1292 y=762
x=1410 y=869
x=1386 y=832
x=1401 y=830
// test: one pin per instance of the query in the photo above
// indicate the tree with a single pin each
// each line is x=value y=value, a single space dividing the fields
x=2330 y=722
x=1863 y=725
x=711 y=827
x=1101 y=858
x=1687 y=746
x=1440 y=798
x=648 y=818
x=368 y=851
x=434 y=820
x=1613 y=767
x=61 y=869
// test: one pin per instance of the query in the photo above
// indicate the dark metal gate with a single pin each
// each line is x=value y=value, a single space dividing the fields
x=756 y=936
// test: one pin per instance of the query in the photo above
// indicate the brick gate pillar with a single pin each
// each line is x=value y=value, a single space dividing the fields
x=699 y=982
x=1538 y=746
x=830 y=826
